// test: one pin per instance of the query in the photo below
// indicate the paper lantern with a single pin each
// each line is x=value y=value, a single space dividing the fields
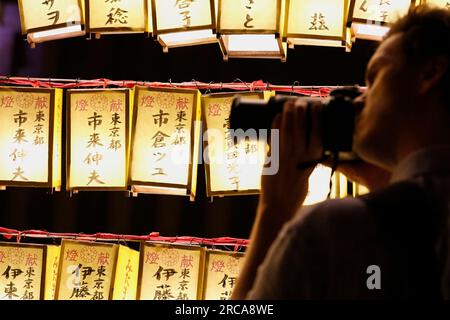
x=50 y=20
x=231 y=169
x=165 y=141
x=30 y=137
x=169 y=272
x=317 y=22
x=221 y=274
x=251 y=29
x=97 y=139
x=51 y=271
x=370 y=19
x=438 y=3
x=183 y=22
x=319 y=185
x=126 y=275
x=22 y=268
x=111 y=17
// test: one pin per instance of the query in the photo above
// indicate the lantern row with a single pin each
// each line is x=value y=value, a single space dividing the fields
x=143 y=140
x=243 y=29
x=82 y=270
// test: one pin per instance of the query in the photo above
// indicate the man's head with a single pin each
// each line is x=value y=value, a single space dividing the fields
x=407 y=104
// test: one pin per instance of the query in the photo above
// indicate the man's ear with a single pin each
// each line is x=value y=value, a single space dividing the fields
x=432 y=72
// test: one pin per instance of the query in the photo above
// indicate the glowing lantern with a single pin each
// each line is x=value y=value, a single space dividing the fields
x=22 y=268
x=51 y=271
x=126 y=275
x=251 y=29
x=98 y=137
x=231 y=168
x=109 y=17
x=165 y=141
x=50 y=20
x=183 y=22
x=318 y=22
x=439 y=3
x=86 y=270
x=30 y=137
x=169 y=272
x=370 y=19
x=221 y=273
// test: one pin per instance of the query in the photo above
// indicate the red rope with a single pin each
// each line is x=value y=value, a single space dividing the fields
x=152 y=237
x=258 y=85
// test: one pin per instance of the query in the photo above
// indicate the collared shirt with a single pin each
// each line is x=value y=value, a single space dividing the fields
x=319 y=254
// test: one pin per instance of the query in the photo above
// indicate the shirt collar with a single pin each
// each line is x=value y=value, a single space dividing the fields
x=430 y=160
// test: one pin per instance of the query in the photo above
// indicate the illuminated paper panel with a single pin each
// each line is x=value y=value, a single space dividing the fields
x=51 y=271
x=370 y=19
x=126 y=276
x=251 y=29
x=49 y=20
x=230 y=169
x=165 y=141
x=30 y=137
x=86 y=271
x=170 y=272
x=98 y=135
x=124 y=16
x=439 y=3
x=21 y=271
x=221 y=274
x=316 y=22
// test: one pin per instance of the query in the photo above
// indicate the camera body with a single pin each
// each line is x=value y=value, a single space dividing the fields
x=337 y=118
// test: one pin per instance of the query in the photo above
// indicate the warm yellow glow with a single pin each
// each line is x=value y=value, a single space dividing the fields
x=369 y=32
x=221 y=273
x=184 y=14
x=126 y=14
x=162 y=145
x=85 y=271
x=323 y=18
x=183 y=38
x=28 y=120
x=248 y=15
x=63 y=17
x=439 y=3
x=319 y=185
x=21 y=268
x=381 y=11
x=98 y=138
x=231 y=169
x=126 y=275
x=315 y=42
x=51 y=271
x=170 y=272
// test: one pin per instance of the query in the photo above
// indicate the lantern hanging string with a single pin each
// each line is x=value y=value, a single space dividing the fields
x=152 y=237
x=237 y=85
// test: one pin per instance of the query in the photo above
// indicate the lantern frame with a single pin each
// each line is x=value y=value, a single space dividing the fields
x=68 y=144
x=207 y=258
x=58 y=26
x=44 y=260
x=209 y=192
x=201 y=267
x=292 y=37
x=191 y=185
x=158 y=32
x=276 y=32
x=51 y=145
x=368 y=22
x=113 y=30
x=90 y=244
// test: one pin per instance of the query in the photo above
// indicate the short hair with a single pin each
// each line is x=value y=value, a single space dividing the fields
x=426 y=33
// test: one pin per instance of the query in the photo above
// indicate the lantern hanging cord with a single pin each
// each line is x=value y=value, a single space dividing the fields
x=237 y=85
x=152 y=237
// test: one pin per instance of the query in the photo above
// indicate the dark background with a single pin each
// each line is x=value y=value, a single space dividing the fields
x=134 y=57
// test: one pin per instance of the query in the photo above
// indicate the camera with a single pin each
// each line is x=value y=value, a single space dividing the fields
x=337 y=118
